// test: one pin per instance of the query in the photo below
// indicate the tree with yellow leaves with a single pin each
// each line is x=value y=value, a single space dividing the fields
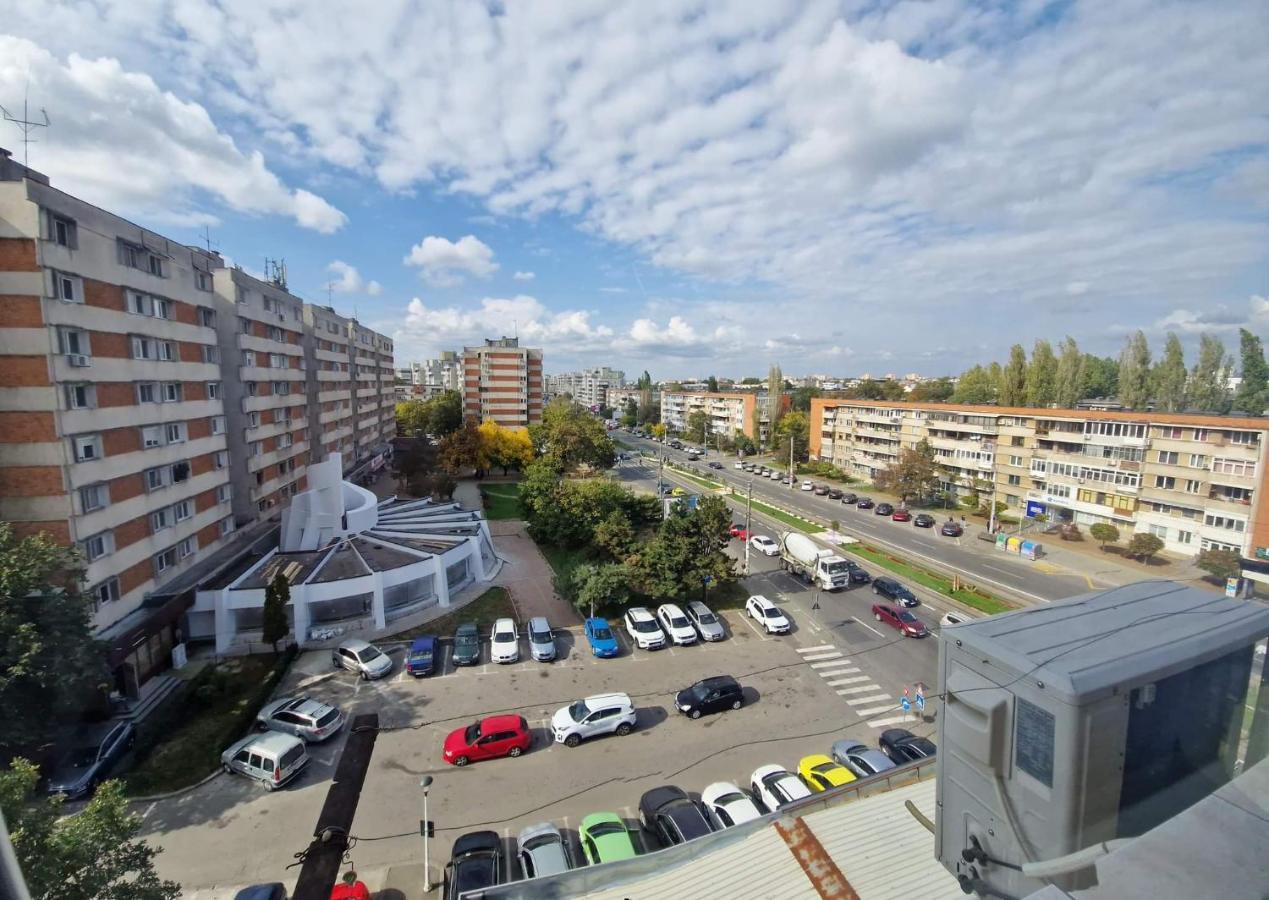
x=507 y=448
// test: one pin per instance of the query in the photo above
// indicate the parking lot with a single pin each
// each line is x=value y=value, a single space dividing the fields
x=832 y=677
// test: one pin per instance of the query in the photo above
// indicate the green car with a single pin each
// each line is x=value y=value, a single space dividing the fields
x=466 y=645
x=605 y=838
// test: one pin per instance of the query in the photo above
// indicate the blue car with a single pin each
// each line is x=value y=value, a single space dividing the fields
x=603 y=643
x=420 y=660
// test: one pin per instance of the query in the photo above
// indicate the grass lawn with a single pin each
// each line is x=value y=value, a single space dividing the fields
x=494 y=603
x=703 y=482
x=191 y=748
x=976 y=599
x=780 y=515
x=502 y=501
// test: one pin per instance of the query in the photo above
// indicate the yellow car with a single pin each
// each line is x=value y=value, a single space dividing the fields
x=822 y=773
x=678 y=492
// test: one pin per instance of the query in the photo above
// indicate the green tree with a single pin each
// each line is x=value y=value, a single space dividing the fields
x=445 y=413
x=802 y=398
x=1253 y=391
x=914 y=475
x=645 y=381
x=277 y=594
x=50 y=665
x=1104 y=533
x=460 y=449
x=866 y=389
x=751 y=380
x=689 y=546
x=1013 y=379
x=1169 y=377
x=1209 y=380
x=975 y=386
x=1223 y=564
x=1069 y=381
x=572 y=437
x=938 y=390
x=92 y=855
x=794 y=429
x=711 y=385
x=1041 y=379
x=892 y=390
x=1134 y=372
x=775 y=389
x=412 y=417
x=595 y=585
x=1101 y=377
x=630 y=413
x=697 y=426
x=615 y=535
x=1144 y=546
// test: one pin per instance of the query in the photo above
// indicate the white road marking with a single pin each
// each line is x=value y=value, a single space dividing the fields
x=893 y=720
x=829 y=665
x=857 y=680
x=874 y=698
x=873 y=710
x=829 y=673
x=833 y=655
x=815 y=649
x=754 y=628
x=149 y=809
x=860 y=689
x=866 y=625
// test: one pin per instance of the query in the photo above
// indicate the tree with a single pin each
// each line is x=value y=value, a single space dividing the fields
x=866 y=389
x=751 y=380
x=775 y=389
x=892 y=390
x=1169 y=377
x=688 y=547
x=1101 y=377
x=658 y=431
x=507 y=448
x=1134 y=372
x=1069 y=380
x=938 y=390
x=794 y=429
x=594 y=585
x=914 y=475
x=92 y=855
x=645 y=381
x=1143 y=546
x=1209 y=380
x=711 y=385
x=615 y=535
x=1013 y=379
x=412 y=417
x=1253 y=391
x=630 y=414
x=744 y=444
x=460 y=449
x=697 y=426
x=1104 y=533
x=445 y=414
x=50 y=665
x=277 y=594
x=802 y=398
x=975 y=386
x=1223 y=564
x=573 y=437
x=1041 y=380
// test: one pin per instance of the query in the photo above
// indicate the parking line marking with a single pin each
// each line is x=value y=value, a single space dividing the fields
x=869 y=627
x=859 y=690
x=893 y=720
x=816 y=649
x=859 y=701
x=834 y=655
x=754 y=629
x=854 y=679
x=873 y=710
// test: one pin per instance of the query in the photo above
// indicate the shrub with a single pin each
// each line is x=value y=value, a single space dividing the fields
x=1104 y=533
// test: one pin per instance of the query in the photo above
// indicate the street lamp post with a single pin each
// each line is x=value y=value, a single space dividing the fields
x=426 y=783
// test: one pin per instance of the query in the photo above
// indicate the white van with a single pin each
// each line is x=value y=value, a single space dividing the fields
x=271 y=758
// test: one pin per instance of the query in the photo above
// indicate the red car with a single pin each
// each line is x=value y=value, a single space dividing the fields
x=907 y=624
x=901 y=515
x=487 y=739
x=740 y=531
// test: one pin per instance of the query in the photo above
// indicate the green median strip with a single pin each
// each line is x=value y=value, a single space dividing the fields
x=780 y=515
x=976 y=599
x=703 y=482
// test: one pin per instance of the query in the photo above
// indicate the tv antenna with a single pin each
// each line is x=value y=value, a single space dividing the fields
x=208 y=241
x=275 y=272
x=26 y=125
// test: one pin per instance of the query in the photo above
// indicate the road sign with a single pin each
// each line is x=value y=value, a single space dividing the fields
x=427 y=828
x=920 y=702
x=905 y=702
x=707 y=579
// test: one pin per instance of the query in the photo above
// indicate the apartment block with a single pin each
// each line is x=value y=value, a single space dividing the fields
x=1196 y=482
x=618 y=396
x=729 y=413
x=113 y=431
x=589 y=387
x=502 y=382
x=442 y=374
x=374 y=395
x=330 y=385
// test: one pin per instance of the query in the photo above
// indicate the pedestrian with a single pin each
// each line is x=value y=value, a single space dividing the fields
x=962 y=518
x=351 y=889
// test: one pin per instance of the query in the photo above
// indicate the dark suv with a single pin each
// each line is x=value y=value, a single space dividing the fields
x=672 y=816
x=892 y=590
x=474 y=864
x=710 y=695
x=858 y=575
x=466 y=651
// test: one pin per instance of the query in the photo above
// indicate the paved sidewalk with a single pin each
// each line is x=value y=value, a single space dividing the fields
x=400 y=882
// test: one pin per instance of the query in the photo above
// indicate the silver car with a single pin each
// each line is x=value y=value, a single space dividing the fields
x=861 y=759
x=543 y=851
x=366 y=660
x=303 y=717
x=541 y=639
x=706 y=622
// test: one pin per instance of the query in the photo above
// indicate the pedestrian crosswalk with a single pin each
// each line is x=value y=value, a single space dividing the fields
x=865 y=698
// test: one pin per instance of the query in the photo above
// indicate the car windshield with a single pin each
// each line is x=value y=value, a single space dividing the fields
x=772 y=612
x=464 y=639
x=699 y=690
x=644 y=625
x=541 y=840
x=370 y=654
x=730 y=798
x=503 y=637
x=602 y=633
x=475 y=873
x=907 y=617
x=80 y=757
x=472 y=732
x=603 y=829
x=826 y=767
x=678 y=622
x=706 y=618
x=837 y=568
x=541 y=637
x=579 y=710
x=421 y=656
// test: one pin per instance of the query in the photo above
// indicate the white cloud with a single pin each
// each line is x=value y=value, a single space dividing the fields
x=349 y=280
x=1218 y=319
x=523 y=276
x=444 y=262
x=430 y=328
x=120 y=141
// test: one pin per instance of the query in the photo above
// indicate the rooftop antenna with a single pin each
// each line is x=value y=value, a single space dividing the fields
x=208 y=241
x=275 y=272
x=26 y=125
x=330 y=286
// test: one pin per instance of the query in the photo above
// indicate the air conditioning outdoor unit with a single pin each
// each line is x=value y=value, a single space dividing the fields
x=79 y=360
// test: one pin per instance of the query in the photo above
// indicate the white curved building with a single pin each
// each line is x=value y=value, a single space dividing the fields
x=355 y=564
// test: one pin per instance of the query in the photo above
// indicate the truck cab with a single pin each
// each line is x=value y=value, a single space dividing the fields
x=803 y=557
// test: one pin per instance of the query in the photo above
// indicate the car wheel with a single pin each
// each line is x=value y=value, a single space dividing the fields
x=460 y=761
x=874 y=589
x=623 y=729
x=735 y=704
x=695 y=714
x=572 y=740
x=515 y=751
x=365 y=676
x=877 y=616
x=270 y=786
x=226 y=768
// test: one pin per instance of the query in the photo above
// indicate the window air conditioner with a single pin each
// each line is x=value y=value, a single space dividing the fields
x=79 y=360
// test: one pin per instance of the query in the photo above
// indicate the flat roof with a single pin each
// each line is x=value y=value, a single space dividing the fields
x=380 y=555
x=296 y=566
x=342 y=562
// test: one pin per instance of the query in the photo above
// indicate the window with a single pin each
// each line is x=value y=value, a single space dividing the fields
x=87 y=447
x=180 y=472
x=168 y=352
x=139 y=304
x=257 y=448
x=1159 y=531
x=226 y=525
x=105 y=592
x=155 y=265
x=162 y=308
x=277 y=361
x=147 y=392
x=281 y=387
x=221 y=459
x=171 y=392
x=1209 y=544
x=99 y=545
x=267 y=303
x=224 y=493
x=252 y=388
x=275 y=334
x=1243 y=437
x=175 y=433
x=64 y=232
x=144 y=348
x=1015 y=479
x=183 y=510
x=253 y=420
x=213 y=390
x=244 y=325
x=211 y=353
x=156 y=478
x=1015 y=460
x=81 y=396
x=165 y=560
x=1165 y=482
x=186 y=547
x=1198 y=461
x=94 y=496
x=1168 y=457
x=73 y=341
x=248 y=357
x=1239 y=467
x=203 y=281
x=284 y=441
x=1184 y=537
x=1171 y=431
x=1192 y=486
x=68 y=288
x=160 y=519
x=1227 y=522
x=218 y=425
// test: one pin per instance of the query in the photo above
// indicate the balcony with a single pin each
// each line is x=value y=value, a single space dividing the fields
x=1228 y=502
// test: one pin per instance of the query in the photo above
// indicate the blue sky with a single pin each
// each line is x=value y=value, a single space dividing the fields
x=690 y=188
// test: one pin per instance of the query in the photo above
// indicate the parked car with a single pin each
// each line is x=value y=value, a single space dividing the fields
x=675 y=624
x=901 y=515
x=823 y=773
x=864 y=503
x=894 y=592
x=861 y=759
x=951 y=529
x=857 y=573
x=808 y=486
x=776 y=786
x=270 y=758
x=715 y=465
x=304 y=717
x=789 y=480
x=365 y=659
x=883 y=509
x=923 y=520
x=420 y=659
x=487 y=738
x=672 y=816
x=274 y=890
x=727 y=805
x=591 y=716
x=954 y=618
x=605 y=838
x=907 y=624
x=543 y=851
x=710 y=695
x=643 y=629
x=765 y=545
x=850 y=499
x=835 y=493
x=466 y=650
x=475 y=863
x=902 y=746
x=504 y=642
x=739 y=531
x=603 y=643
x=705 y=621
x=541 y=639
x=678 y=492
x=821 y=490
x=764 y=471
x=95 y=753
x=739 y=464
x=770 y=616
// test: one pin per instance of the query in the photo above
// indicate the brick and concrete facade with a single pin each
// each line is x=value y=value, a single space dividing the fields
x=1194 y=481
x=589 y=387
x=729 y=413
x=330 y=390
x=502 y=382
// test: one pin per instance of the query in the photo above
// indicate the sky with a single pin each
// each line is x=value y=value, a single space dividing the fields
x=688 y=188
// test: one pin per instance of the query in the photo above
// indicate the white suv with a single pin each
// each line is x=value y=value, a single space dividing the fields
x=643 y=629
x=504 y=642
x=600 y=714
x=676 y=625
x=773 y=620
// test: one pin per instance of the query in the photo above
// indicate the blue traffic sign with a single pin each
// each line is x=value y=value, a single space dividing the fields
x=905 y=703
x=920 y=702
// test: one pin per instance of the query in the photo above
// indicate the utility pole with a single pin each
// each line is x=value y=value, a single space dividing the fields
x=748 y=521
x=794 y=485
x=991 y=518
x=660 y=487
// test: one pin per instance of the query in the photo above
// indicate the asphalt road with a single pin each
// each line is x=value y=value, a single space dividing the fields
x=976 y=560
